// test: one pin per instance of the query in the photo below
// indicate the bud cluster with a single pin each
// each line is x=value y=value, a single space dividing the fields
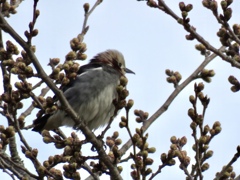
x=141 y=115
x=141 y=159
x=185 y=9
x=120 y=102
x=20 y=66
x=8 y=8
x=203 y=140
x=224 y=36
x=71 y=154
x=113 y=142
x=47 y=104
x=228 y=173
x=201 y=48
x=207 y=75
x=233 y=52
x=5 y=134
x=235 y=83
x=212 y=5
x=176 y=151
x=173 y=77
x=78 y=49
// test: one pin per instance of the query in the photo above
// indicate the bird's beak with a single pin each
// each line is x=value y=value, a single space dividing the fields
x=128 y=71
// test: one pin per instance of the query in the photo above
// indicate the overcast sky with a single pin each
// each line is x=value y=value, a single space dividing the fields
x=151 y=42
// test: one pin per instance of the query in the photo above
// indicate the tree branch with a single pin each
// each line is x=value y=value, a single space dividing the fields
x=64 y=103
x=170 y=99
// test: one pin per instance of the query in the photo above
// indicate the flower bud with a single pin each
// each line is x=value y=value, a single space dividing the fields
x=209 y=154
x=214 y=5
x=118 y=142
x=182 y=6
x=86 y=7
x=183 y=141
x=149 y=161
x=81 y=56
x=152 y=150
x=35 y=32
x=171 y=162
x=174 y=139
x=189 y=7
x=205 y=167
x=71 y=55
x=224 y=5
x=130 y=104
x=227 y=14
x=122 y=124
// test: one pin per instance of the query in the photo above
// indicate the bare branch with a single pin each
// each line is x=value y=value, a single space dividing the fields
x=173 y=95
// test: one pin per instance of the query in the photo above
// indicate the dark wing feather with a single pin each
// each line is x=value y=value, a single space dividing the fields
x=39 y=123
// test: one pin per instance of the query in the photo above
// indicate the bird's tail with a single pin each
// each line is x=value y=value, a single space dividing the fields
x=39 y=123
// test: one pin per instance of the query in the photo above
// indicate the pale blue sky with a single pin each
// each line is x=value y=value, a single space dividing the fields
x=151 y=42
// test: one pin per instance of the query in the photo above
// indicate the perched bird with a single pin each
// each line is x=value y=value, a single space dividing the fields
x=91 y=94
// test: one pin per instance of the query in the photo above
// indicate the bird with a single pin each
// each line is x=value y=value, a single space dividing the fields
x=90 y=94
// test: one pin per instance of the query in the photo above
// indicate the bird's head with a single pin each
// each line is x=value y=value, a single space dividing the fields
x=114 y=59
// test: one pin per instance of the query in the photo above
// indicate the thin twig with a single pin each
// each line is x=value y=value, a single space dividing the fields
x=192 y=31
x=88 y=14
x=17 y=169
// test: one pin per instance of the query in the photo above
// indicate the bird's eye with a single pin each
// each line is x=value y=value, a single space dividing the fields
x=120 y=64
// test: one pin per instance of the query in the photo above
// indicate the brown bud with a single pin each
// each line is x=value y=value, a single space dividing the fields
x=216 y=124
x=86 y=7
x=68 y=151
x=41 y=170
x=171 y=162
x=168 y=72
x=174 y=139
x=205 y=167
x=234 y=89
x=224 y=5
x=71 y=55
x=130 y=104
x=118 y=142
x=214 y=5
x=203 y=140
x=189 y=7
x=149 y=161
x=173 y=147
x=122 y=124
x=81 y=56
x=184 y=14
x=34 y=153
x=182 y=6
x=191 y=113
x=227 y=14
x=152 y=3
x=47 y=140
x=54 y=61
x=10 y=131
x=83 y=47
x=206 y=129
x=206 y=3
x=135 y=138
x=236 y=29
x=218 y=130
x=115 y=134
x=209 y=154
x=123 y=81
x=35 y=32
x=183 y=141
